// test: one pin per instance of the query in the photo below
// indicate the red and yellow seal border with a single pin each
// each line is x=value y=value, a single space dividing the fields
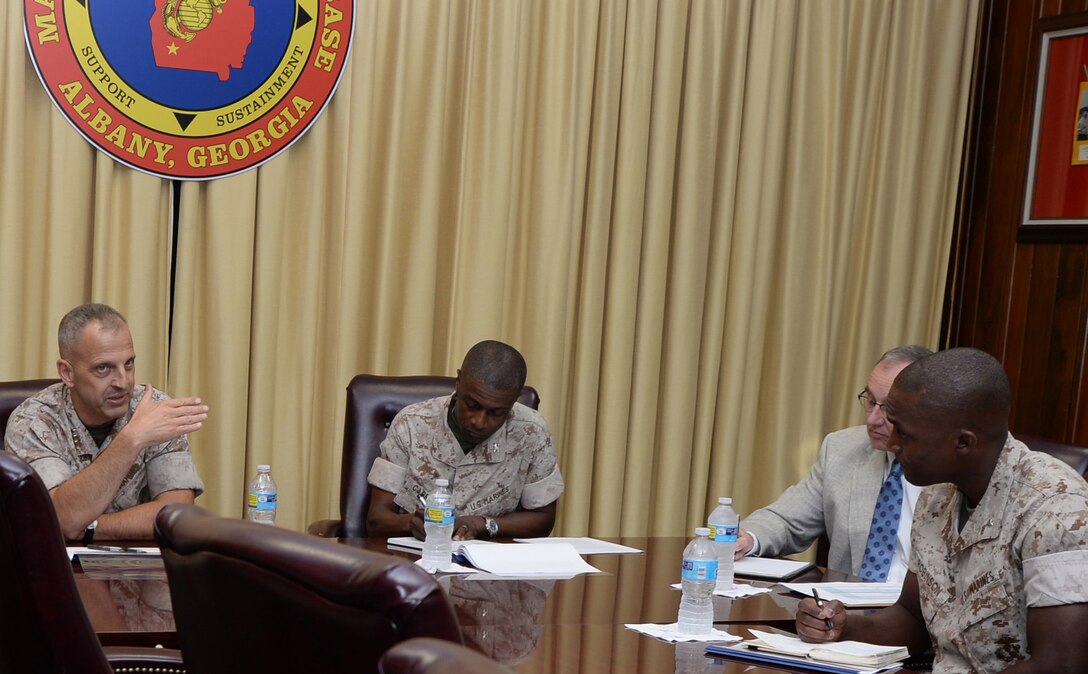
x=174 y=143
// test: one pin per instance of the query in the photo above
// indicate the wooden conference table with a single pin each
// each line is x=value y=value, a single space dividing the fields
x=532 y=626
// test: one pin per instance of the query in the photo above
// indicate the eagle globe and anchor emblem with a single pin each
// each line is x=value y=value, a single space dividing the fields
x=190 y=89
x=200 y=21
x=186 y=18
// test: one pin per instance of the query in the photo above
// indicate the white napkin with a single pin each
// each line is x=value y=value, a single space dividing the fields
x=672 y=632
x=738 y=591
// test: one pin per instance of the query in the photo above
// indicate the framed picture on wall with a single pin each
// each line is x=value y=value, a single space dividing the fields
x=1056 y=194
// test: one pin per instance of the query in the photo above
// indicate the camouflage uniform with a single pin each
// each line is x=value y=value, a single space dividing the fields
x=515 y=466
x=503 y=620
x=1024 y=546
x=46 y=432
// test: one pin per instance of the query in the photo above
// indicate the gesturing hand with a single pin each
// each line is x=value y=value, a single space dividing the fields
x=155 y=422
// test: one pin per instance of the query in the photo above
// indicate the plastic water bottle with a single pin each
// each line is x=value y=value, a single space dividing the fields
x=261 y=497
x=697 y=578
x=724 y=526
x=438 y=523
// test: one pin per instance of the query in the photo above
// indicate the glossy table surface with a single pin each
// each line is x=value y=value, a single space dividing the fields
x=568 y=625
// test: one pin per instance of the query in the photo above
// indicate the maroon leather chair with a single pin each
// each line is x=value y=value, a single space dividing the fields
x=1074 y=455
x=373 y=401
x=249 y=597
x=432 y=656
x=13 y=393
x=44 y=628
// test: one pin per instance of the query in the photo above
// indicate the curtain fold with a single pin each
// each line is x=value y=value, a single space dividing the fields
x=701 y=223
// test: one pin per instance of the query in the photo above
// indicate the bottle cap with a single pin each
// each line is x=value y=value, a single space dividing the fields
x=264 y=467
x=725 y=500
x=442 y=482
x=702 y=531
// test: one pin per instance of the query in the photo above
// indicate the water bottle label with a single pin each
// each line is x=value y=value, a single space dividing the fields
x=437 y=515
x=261 y=500
x=700 y=570
x=724 y=534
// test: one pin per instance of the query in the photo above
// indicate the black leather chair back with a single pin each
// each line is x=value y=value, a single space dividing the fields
x=373 y=401
x=249 y=597
x=1074 y=455
x=13 y=393
x=43 y=626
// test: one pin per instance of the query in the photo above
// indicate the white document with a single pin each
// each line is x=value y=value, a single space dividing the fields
x=526 y=561
x=584 y=546
x=111 y=551
x=770 y=568
x=511 y=559
x=852 y=594
x=409 y=543
x=738 y=591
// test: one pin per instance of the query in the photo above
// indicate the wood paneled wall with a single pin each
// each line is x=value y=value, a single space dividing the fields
x=1025 y=301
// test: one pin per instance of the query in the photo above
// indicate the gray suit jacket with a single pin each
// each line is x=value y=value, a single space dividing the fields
x=836 y=497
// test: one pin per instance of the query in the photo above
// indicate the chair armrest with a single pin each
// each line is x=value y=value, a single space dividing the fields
x=326 y=528
x=138 y=659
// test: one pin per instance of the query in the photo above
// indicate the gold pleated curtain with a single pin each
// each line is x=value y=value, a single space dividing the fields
x=701 y=222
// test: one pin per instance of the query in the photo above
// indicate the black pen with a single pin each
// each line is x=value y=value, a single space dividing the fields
x=820 y=603
x=113 y=548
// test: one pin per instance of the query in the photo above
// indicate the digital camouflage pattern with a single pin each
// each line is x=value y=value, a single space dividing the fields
x=515 y=466
x=1024 y=546
x=46 y=432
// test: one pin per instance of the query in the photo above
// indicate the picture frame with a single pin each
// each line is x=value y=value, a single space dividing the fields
x=1056 y=187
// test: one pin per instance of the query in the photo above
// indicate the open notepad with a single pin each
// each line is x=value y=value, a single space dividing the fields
x=845 y=656
x=558 y=560
x=770 y=568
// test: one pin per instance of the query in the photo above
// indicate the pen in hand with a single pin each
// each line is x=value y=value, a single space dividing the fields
x=820 y=603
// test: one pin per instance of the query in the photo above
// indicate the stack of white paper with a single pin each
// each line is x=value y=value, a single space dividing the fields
x=554 y=560
x=559 y=560
x=770 y=568
x=852 y=594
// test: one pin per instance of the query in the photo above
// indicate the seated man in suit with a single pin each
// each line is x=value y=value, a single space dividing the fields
x=111 y=452
x=496 y=453
x=840 y=492
x=1000 y=540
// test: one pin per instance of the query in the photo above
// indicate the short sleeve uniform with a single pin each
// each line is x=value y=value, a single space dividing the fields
x=515 y=467
x=1024 y=546
x=46 y=432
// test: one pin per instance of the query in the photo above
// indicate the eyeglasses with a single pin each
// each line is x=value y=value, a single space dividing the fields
x=868 y=402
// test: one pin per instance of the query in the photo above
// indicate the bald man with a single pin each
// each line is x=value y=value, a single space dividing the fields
x=496 y=453
x=1000 y=538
